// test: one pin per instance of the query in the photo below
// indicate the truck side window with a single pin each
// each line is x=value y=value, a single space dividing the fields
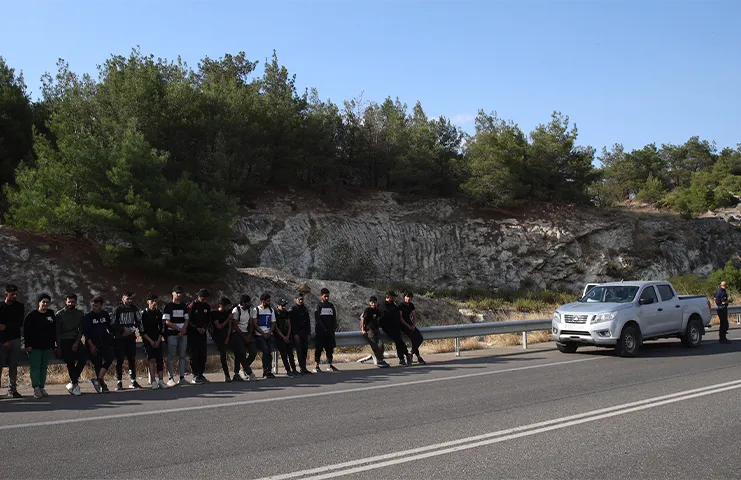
x=649 y=294
x=666 y=292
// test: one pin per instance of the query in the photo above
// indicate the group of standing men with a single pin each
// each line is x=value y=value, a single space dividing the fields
x=183 y=327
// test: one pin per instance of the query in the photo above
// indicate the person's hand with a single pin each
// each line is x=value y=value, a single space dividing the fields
x=93 y=350
x=58 y=352
x=181 y=334
x=265 y=335
x=75 y=346
x=362 y=331
x=201 y=330
x=2 y=327
x=157 y=343
x=29 y=349
x=6 y=345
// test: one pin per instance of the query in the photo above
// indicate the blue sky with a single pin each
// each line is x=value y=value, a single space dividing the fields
x=633 y=72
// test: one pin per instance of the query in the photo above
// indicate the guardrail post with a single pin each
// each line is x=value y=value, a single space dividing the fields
x=457 y=347
x=738 y=319
x=524 y=340
x=275 y=362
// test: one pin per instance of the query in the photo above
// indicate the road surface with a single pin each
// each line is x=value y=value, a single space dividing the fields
x=501 y=413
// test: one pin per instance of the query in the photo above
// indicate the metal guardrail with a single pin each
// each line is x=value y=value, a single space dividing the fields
x=456 y=332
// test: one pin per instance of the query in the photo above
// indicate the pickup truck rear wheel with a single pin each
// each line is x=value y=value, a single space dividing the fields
x=629 y=342
x=693 y=336
x=567 y=347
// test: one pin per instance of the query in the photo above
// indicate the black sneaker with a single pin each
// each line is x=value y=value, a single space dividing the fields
x=237 y=378
x=420 y=361
x=135 y=384
x=268 y=375
x=402 y=362
x=409 y=359
x=14 y=394
x=289 y=373
x=119 y=385
x=227 y=379
x=96 y=385
x=104 y=387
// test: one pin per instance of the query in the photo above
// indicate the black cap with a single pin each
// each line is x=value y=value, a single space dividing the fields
x=203 y=293
x=151 y=296
x=177 y=289
x=300 y=295
x=283 y=302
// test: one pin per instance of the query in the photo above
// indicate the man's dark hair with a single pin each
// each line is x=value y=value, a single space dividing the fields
x=10 y=288
x=409 y=294
x=390 y=294
x=224 y=301
x=97 y=299
x=264 y=296
x=70 y=296
x=43 y=296
x=152 y=296
x=245 y=299
x=324 y=291
x=373 y=299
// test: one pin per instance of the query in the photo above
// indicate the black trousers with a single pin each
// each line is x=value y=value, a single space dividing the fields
x=723 y=316
x=197 y=343
x=125 y=347
x=244 y=353
x=263 y=345
x=220 y=341
x=401 y=347
x=301 y=343
x=286 y=353
x=324 y=341
x=104 y=354
x=156 y=355
x=75 y=360
x=415 y=336
x=376 y=342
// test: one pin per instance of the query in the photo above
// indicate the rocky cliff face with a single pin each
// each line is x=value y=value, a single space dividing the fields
x=39 y=264
x=441 y=244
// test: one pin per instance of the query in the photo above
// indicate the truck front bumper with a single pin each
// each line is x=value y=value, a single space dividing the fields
x=597 y=334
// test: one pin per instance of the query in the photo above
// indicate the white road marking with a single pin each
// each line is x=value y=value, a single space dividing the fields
x=398 y=457
x=279 y=399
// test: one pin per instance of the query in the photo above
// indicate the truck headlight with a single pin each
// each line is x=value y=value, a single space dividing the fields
x=604 y=317
x=557 y=317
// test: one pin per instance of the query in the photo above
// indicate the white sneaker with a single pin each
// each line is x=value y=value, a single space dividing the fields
x=43 y=392
x=155 y=385
x=162 y=384
x=76 y=390
x=70 y=387
x=37 y=392
x=171 y=383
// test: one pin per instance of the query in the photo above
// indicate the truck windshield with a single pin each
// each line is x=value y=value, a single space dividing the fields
x=614 y=294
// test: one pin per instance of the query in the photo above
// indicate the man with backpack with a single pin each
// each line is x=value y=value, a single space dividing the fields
x=264 y=318
x=200 y=318
x=243 y=339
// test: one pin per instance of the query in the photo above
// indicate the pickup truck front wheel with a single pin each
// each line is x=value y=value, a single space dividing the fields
x=629 y=342
x=693 y=336
x=567 y=347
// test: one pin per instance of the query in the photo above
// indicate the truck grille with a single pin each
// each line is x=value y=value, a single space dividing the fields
x=575 y=332
x=575 y=318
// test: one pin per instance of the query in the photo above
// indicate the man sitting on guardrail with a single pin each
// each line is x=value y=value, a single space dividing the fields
x=391 y=324
x=370 y=328
x=409 y=327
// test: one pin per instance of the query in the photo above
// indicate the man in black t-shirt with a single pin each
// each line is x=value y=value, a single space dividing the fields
x=409 y=327
x=176 y=317
x=300 y=331
x=152 y=331
x=200 y=319
x=391 y=324
x=11 y=322
x=370 y=322
x=221 y=330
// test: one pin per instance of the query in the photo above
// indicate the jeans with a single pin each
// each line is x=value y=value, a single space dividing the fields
x=263 y=345
x=39 y=361
x=376 y=342
x=181 y=345
x=286 y=353
x=9 y=358
x=75 y=360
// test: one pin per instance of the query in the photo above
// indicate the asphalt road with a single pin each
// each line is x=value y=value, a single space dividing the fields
x=503 y=413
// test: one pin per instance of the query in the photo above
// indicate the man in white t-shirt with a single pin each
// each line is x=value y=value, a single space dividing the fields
x=264 y=320
x=242 y=340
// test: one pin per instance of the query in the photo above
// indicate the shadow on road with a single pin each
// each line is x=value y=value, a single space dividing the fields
x=91 y=403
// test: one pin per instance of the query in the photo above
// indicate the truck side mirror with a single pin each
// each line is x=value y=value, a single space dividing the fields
x=645 y=301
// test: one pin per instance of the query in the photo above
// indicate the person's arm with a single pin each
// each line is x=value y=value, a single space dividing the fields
x=28 y=332
x=403 y=322
x=288 y=335
x=78 y=338
x=362 y=323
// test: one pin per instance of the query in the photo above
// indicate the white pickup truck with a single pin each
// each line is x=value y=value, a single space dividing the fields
x=625 y=314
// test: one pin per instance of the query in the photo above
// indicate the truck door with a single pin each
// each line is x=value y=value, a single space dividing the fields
x=671 y=313
x=649 y=313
